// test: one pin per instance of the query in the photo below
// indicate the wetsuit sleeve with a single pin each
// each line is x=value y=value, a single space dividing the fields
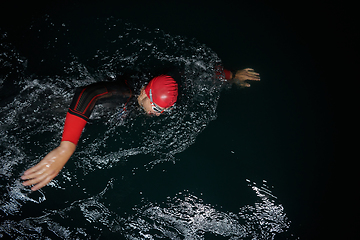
x=73 y=128
x=223 y=73
x=81 y=108
x=227 y=74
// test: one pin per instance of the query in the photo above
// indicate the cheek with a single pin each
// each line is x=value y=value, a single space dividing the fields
x=147 y=106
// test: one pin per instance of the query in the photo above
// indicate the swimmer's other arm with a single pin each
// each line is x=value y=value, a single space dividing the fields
x=240 y=77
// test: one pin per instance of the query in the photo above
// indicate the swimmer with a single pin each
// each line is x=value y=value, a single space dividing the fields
x=156 y=98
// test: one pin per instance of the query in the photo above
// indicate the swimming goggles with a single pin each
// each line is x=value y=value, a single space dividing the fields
x=156 y=108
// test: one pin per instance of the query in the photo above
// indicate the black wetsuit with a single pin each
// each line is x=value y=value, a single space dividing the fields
x=86 y=97
x=84 y=102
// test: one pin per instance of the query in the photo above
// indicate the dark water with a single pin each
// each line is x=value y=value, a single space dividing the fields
x=234 y=163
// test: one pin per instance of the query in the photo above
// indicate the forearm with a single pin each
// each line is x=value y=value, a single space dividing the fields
x=76 y=119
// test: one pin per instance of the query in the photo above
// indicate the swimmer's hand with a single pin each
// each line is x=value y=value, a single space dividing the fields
x=247 y=74
x=48 y=168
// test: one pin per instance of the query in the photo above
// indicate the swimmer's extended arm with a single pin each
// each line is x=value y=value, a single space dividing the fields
x=241 y=76
x=76 y=119
x=80 y=109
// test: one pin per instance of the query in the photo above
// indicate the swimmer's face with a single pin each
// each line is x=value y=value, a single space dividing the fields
x=145 y=103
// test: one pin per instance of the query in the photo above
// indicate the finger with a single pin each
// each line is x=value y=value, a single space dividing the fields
x=253 y=75
x=32 y=175
x=251 y=71
x=35 y=180
x=43 y=183
x=255 y=78
x=35 y=168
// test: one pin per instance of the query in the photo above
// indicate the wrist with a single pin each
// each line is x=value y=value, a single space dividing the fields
x=67 y=146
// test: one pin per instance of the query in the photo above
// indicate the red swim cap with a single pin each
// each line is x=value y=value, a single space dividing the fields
x=164 y=91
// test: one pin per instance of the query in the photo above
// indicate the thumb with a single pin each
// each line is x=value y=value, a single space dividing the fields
x=245 y=84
